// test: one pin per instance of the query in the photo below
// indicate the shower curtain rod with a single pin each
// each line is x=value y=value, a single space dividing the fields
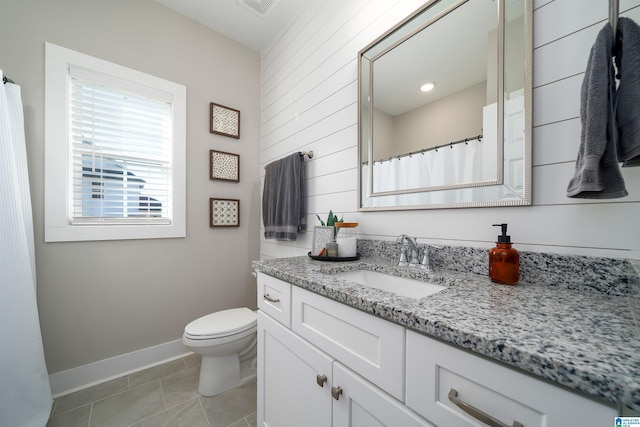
x=424 y=150
x=309 y=154
x=6 y=80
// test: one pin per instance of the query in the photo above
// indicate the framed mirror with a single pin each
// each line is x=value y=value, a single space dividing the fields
x=445 y=108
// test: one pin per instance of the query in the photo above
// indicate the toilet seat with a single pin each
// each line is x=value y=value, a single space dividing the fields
x=221 y=324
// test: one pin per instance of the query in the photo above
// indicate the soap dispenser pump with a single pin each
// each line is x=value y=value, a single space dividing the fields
x=504 y=261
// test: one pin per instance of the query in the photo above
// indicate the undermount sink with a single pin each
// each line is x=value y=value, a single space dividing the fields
x=404 y=286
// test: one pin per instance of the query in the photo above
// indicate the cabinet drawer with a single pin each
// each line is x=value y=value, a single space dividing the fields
x=274 y=298
x=370 y=346
x=434 y=369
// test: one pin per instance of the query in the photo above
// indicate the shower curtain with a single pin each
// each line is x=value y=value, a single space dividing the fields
x=25 y=394
x=449 y=165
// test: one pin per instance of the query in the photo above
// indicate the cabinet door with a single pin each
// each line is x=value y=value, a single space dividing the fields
x=361 y=404
x=289 y=390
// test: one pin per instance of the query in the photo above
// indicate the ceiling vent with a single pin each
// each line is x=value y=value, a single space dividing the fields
x=261 y=8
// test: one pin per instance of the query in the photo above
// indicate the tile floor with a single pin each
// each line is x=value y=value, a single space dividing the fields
x=162 y=396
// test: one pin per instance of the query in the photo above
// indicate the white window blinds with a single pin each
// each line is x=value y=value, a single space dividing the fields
x=121 y=149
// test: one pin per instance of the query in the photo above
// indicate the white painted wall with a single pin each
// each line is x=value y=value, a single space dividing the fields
x=309 y=102
x=99 y=300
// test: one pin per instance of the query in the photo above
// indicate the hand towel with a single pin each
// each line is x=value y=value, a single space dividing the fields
x=628 y=95
x=283 y=198
x=270 y=198
x=597 y=174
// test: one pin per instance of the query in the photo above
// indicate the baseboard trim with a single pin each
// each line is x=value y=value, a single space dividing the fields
x=75 y=379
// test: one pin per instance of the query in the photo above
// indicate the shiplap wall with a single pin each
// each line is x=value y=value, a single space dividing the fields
x=309 y=102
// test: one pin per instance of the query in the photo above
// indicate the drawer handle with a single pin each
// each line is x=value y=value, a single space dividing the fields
x=270 y=298
x=477 y=413
x=321 y=379
x=336 y=392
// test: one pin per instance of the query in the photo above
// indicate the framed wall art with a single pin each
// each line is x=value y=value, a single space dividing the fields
x=224 y=166
x=225 y=121
x=224 y=212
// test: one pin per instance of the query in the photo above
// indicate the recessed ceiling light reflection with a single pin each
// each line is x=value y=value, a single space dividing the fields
x=427 y=87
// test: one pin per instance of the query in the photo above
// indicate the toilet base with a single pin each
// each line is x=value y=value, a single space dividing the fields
x=219 y=374
x=223 y=373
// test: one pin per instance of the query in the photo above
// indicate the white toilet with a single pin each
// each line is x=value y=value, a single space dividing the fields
x=227 y=341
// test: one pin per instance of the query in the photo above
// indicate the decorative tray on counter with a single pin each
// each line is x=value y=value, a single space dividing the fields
x=334 y=258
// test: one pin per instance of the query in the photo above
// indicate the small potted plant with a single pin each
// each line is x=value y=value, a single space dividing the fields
x=331 y=247
x=331 y=220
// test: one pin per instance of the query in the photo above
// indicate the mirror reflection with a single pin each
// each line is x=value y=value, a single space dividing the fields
x=462 y=139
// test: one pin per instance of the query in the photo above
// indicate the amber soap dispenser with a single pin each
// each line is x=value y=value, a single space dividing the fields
x=504 y=261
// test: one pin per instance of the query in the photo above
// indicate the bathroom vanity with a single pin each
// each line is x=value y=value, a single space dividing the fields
x=335 y=352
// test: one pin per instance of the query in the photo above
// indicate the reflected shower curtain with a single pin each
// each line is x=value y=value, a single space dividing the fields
x=449 y=165
x=25 y=394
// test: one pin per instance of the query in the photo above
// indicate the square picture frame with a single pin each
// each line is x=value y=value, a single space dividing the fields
x=224 y=120
x=224 y=212
x=224 y=166
x=321 y=236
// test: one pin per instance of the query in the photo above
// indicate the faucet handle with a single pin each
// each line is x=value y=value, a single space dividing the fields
x=403 y=258
x=414 y=257
x=426 y=258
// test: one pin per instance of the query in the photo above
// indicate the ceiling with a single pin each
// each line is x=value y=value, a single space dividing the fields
x=254 y=23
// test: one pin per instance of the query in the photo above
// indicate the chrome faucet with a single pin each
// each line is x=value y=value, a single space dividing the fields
x=413 y=244
x=425 y=263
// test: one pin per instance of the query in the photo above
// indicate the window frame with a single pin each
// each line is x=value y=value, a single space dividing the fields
x=58 y=186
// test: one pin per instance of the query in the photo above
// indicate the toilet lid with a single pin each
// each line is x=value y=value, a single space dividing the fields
x=222 y=323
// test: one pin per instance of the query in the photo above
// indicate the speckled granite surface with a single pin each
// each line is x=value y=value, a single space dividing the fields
x=606 y=275
x=588 y=341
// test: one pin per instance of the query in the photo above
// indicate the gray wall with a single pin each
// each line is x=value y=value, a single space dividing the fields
x=102 y=299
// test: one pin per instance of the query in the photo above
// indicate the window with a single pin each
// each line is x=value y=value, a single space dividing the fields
x=114 y=151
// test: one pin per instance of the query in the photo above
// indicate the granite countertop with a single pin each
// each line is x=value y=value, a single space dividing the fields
x=583 y=340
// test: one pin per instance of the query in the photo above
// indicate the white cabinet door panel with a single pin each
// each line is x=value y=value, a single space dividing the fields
x=361 y=404
x=289 y=394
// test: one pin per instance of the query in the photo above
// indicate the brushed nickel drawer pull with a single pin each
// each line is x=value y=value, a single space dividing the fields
x=336 y=392
x=321 y=379
x=477 y=413
x=270 y=298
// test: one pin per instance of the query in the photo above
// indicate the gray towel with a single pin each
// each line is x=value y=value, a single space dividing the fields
x=283 y=198
x=598 y=174
x=628 y=96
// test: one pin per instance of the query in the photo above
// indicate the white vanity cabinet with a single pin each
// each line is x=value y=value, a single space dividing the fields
x=323 y=363
x=308 y=375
